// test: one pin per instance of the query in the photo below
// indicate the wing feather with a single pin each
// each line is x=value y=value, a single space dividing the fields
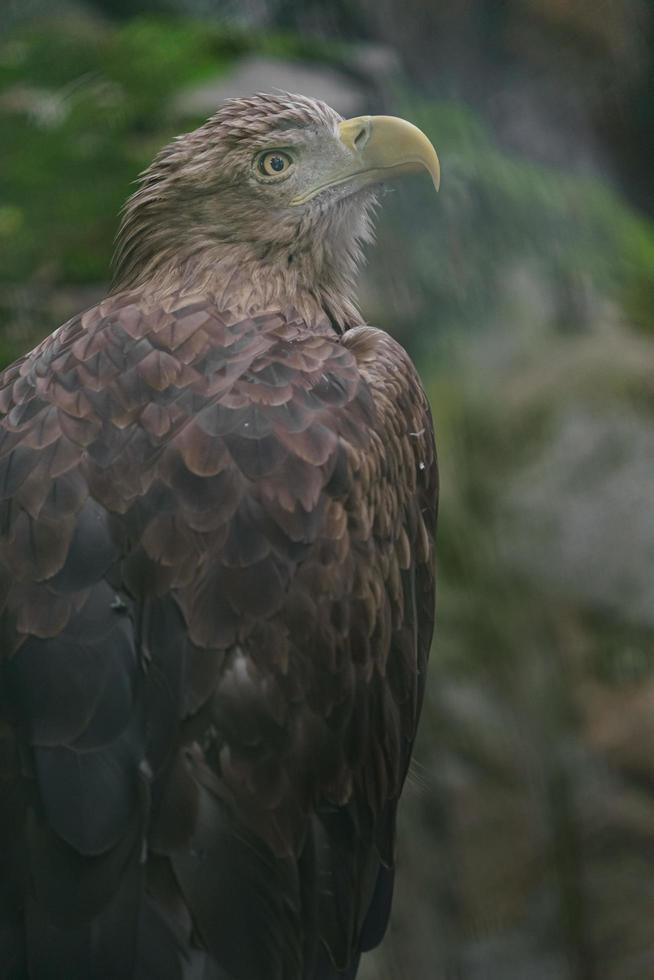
x=216 y=546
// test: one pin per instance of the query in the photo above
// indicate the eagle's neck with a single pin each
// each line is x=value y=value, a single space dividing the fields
x=244 y=282
x=313 y=271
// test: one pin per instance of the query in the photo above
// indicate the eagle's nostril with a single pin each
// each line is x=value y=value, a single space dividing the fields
x=361 y=137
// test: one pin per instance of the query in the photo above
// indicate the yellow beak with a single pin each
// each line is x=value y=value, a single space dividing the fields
x=379 y=148
x=387 y=147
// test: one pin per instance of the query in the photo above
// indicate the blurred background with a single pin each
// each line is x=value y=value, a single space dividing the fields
x=524 y=292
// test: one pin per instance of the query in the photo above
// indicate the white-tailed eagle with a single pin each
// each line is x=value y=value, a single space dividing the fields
x=217 y=516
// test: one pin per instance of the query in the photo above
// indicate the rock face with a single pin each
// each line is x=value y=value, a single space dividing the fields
x=576 y=517
x=584 y=520
x=260 y=74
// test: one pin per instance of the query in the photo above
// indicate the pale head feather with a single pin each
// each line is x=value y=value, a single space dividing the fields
x=199 y=221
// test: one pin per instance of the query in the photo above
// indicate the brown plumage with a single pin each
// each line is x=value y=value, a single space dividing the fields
x=217 y=524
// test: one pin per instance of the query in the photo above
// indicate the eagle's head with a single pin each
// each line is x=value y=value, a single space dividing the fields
x=282 y=179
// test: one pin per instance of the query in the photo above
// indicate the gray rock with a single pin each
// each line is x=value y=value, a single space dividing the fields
x=582 y=519
x=260 y=74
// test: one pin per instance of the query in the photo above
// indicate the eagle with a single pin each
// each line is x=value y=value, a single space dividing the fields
x=217 y=520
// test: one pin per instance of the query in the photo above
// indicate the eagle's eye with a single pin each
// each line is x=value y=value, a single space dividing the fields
x=273 y=163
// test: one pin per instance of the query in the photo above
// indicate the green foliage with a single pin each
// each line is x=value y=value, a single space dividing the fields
x=83 y=108
x=80 y=110
x=151 y=59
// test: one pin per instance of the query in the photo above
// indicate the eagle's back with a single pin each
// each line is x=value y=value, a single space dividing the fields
x=216 y=540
